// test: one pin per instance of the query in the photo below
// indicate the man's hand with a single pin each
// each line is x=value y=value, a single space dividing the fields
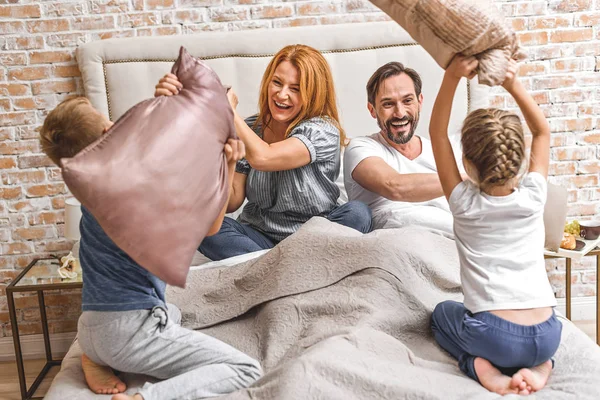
x=511 y=75
x=462 y=66
x=234 y=151
x=168 y=86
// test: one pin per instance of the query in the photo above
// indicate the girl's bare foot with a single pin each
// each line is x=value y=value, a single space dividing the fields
x=100 y=379
x=517 y=381
x=537 y=377
x=123 y=396
x=495 y=381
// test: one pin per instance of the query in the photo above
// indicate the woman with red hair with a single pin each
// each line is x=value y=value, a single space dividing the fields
x=292 y=159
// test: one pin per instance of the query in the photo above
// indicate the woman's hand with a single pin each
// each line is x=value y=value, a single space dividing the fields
x=462 y=66
x=167 y=86
x=233 y=99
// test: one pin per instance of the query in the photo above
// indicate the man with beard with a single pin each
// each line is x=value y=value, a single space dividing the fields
x=393 y=171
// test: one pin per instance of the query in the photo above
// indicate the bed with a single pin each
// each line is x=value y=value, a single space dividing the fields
x=330 y=313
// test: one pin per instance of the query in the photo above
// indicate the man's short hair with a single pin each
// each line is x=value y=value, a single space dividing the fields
x=69 y=128
x=389 y=70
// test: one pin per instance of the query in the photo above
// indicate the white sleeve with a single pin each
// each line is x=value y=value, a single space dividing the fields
x=357 y=151
x=537 y=187
x=461 y=198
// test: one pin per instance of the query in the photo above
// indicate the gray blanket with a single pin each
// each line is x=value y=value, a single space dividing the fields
x=333 y=314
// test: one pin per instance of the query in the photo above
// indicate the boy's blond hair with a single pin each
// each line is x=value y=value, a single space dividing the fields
x=69 y=128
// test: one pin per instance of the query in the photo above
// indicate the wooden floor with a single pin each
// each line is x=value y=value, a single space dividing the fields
x=9 y=379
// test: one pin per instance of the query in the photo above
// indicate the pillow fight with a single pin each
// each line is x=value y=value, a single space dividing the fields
x=281 y=165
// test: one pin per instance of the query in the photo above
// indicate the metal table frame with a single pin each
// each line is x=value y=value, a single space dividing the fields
x=26 y=394
x=595 y=252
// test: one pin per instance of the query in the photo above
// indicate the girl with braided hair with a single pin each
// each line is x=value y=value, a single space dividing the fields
x=505 y=333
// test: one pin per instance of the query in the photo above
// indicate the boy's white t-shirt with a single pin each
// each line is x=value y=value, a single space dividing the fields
x=500 y=242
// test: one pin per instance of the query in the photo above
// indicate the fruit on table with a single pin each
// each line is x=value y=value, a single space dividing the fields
x=573 y=227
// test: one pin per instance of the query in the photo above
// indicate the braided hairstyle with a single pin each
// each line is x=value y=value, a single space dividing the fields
x=493 y=142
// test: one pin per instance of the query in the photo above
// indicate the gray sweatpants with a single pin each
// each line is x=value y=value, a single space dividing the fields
x=192 y=365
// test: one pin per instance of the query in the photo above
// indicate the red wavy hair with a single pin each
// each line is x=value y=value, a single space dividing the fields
x=316 y=87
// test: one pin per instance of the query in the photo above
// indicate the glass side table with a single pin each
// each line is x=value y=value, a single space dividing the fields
x=567 y=255
x=40 y=275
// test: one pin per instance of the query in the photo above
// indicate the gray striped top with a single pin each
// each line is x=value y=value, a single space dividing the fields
x=280 y=202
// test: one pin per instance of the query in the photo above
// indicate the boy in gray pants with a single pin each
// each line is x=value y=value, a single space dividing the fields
x=126 y=323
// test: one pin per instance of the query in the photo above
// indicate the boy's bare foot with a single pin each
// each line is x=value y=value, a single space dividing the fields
x=100 y=379
x=537 y=377
x=495 y=381
x=123 y=396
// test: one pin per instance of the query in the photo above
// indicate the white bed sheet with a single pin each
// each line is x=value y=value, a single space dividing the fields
x=202 y=262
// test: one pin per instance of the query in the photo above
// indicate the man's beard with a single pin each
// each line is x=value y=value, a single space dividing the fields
x=402 y=138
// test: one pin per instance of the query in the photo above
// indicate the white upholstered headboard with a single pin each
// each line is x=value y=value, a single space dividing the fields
x=118 y=73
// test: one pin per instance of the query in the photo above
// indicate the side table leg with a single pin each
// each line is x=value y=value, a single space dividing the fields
x=45 y=325
x=597 y=300
x=568 y=288
x=17 y=341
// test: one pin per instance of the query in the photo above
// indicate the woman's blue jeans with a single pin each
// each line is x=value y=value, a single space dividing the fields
x=235 y=238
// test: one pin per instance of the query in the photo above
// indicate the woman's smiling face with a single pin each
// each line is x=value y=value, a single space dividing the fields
x=285 y=101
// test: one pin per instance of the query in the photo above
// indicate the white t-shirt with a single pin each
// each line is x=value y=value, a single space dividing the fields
x=375 y=145
x=500 y=242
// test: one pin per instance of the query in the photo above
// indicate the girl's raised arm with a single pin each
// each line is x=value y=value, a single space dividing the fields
x=438 y=128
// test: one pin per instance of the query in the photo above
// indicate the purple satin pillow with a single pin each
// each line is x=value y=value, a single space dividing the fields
x=157 y=180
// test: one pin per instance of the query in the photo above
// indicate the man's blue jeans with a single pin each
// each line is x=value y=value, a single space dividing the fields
x=508 y=346
x=235 y=238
